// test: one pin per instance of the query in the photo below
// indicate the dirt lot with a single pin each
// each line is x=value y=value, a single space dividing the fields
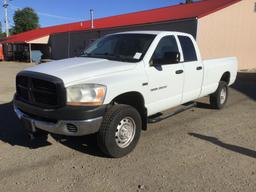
x=199 y=150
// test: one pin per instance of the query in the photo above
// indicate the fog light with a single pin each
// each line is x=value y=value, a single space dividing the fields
x=72 y=128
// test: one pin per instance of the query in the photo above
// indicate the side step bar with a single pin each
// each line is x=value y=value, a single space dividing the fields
x=166 y=116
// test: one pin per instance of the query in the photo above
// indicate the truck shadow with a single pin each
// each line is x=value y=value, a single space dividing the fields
x=203 y=105
x=234 y=148
x=246 y=84
x=84 y=144
x=12 y=132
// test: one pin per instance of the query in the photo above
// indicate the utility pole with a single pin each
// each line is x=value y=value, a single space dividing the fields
x=92 y=18
x=6 y=17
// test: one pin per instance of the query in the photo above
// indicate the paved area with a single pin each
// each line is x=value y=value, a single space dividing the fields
x=8 y=71
x=199 y=150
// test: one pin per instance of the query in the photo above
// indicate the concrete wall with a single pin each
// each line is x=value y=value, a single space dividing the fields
x=70 y=44
x=230 y=32
x=186 y=25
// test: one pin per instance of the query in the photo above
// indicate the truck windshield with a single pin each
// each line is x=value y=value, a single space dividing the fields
x=120 y=47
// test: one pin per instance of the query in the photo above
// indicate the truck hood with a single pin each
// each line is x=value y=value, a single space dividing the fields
x=81 y=68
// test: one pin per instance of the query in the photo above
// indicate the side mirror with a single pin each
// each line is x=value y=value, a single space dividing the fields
x=168 y=58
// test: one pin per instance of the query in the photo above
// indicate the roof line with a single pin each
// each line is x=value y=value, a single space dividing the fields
x=154 y=9
x=158 y=15
x=218 y=8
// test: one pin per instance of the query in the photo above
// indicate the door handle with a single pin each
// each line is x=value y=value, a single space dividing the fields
x=199 y=68
x=179 y=72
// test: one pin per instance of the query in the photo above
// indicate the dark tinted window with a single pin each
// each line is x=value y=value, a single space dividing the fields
x=121 y=47
x=188 y=49
x=166 y=44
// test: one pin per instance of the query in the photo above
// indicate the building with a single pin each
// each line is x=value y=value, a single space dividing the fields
x=222 y=28
x=230 y=31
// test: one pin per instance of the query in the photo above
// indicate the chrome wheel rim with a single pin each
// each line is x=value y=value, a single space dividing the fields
x=223 y=95
x=125 y=132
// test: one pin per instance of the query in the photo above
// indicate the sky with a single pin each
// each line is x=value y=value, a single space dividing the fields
x=54 y=12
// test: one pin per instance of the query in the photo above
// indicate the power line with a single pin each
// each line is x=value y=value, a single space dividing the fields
x=45 y=14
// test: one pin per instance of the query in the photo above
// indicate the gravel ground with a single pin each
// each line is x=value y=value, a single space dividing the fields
x=198 y=150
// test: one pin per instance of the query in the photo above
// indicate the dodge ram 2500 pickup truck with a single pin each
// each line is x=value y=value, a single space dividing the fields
x=118 y=86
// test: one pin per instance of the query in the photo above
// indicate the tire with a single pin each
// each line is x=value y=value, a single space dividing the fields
x=120 y=131
x=219 y=99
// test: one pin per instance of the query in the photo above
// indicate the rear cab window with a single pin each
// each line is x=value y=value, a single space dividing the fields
x=188 y=48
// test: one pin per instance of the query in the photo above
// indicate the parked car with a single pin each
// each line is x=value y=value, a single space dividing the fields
x=119 y=85
x=36 y=56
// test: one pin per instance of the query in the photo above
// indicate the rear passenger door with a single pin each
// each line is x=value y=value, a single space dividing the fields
x=193 y=69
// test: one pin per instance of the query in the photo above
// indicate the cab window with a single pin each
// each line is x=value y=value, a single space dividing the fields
x=188 y=49
x=166 y=48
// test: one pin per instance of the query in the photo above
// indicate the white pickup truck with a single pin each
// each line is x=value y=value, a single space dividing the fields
x=118 y=86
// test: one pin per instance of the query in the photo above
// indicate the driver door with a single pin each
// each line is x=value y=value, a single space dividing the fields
x=165 y=76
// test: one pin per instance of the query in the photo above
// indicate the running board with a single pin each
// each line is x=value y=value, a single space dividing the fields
x=166 y=116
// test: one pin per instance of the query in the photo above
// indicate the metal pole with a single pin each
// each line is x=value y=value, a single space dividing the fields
x=92 y=18
x=69 y=44
x=6 y=17
x=30 y=53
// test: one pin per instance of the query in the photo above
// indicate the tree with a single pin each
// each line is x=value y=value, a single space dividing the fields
x=2 y=35
x=24 y=20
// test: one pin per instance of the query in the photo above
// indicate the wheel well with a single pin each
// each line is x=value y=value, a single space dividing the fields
x=136 y=100
x=226 y=77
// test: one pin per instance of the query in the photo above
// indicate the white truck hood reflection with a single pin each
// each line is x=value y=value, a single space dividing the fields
x=81 y=68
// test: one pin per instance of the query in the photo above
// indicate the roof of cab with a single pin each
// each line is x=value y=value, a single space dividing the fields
x=153 y=32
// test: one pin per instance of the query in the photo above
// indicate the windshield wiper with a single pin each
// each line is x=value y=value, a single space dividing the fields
x=107 y=55
x=110 y=56
x=104 y=54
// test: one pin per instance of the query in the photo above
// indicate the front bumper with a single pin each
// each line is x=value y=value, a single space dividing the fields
x=62 y=127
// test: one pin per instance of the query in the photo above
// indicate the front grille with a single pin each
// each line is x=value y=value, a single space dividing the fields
x=40 y=90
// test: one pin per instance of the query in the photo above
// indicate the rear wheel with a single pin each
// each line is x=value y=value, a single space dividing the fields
x=219 y=98
x=120 y=131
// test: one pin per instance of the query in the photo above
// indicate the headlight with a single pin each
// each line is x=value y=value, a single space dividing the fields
x=86 y=95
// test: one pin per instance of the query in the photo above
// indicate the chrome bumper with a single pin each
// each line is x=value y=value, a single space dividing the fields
x=69 y=128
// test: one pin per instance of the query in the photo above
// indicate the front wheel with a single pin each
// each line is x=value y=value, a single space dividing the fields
x=120 y=131
x=220 y=97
